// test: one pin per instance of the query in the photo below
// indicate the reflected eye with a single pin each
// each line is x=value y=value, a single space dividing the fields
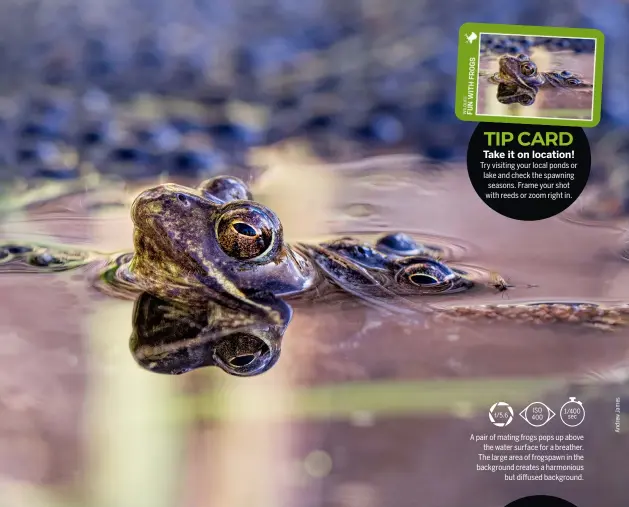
x=244 y=354
x=573 y=81
x=528 y=69
x=245 y=233
x=244 y=360
x=565 y=73
x=526 y=100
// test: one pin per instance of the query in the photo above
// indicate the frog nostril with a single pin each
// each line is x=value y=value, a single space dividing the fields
x=183 y=199
x=244 y=229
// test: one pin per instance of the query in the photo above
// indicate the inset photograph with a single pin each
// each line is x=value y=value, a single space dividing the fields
x=536 y=77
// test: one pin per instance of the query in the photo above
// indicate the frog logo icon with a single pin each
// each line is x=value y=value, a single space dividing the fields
x=501 y=414
x=471 y=37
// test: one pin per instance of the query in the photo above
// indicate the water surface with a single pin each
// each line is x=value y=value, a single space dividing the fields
x=363 y=408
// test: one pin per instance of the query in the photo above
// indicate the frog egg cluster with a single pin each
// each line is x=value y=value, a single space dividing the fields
x=501 y=44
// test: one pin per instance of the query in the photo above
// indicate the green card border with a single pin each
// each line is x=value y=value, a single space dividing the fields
x=467 y=51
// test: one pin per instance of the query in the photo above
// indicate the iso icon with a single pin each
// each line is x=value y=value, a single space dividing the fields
x=537 y=414
x=501 y=414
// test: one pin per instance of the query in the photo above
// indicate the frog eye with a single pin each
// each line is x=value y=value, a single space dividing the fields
x=528 y=68
x=430 y=276
x=426 y=273
x=423 y=279
x=246 y=233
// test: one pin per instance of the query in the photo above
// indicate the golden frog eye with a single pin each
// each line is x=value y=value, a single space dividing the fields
x=245 y=233
x=528 y=69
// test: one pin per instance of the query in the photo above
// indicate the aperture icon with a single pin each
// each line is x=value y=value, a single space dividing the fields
x=501 y=414
x=537 y=414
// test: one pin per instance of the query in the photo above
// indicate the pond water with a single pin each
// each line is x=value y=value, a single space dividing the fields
x=364 y=408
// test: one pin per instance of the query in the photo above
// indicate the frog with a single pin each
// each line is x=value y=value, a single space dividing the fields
x=214 y=282
x=216 y=243
x=520 y=70
x=565 y=79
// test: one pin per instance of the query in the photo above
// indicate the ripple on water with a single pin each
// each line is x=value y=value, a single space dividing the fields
x=596 y=208
x=473 y=272
x=361 y=210
x=394 y=172
x=592 y=211
x=624 y=250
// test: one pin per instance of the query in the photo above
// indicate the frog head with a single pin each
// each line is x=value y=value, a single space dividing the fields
x=212 y=241
x=519 y=69
x=566 y=79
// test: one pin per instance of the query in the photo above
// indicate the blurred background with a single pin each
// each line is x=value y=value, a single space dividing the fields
x=381 y=72
x=134 y=92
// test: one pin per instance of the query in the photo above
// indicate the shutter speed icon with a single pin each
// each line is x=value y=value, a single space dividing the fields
x=537 y=414
x=572 y=413
x=501 y=414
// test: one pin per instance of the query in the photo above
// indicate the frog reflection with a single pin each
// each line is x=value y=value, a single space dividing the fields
x=173 y=338
x=514 y=93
